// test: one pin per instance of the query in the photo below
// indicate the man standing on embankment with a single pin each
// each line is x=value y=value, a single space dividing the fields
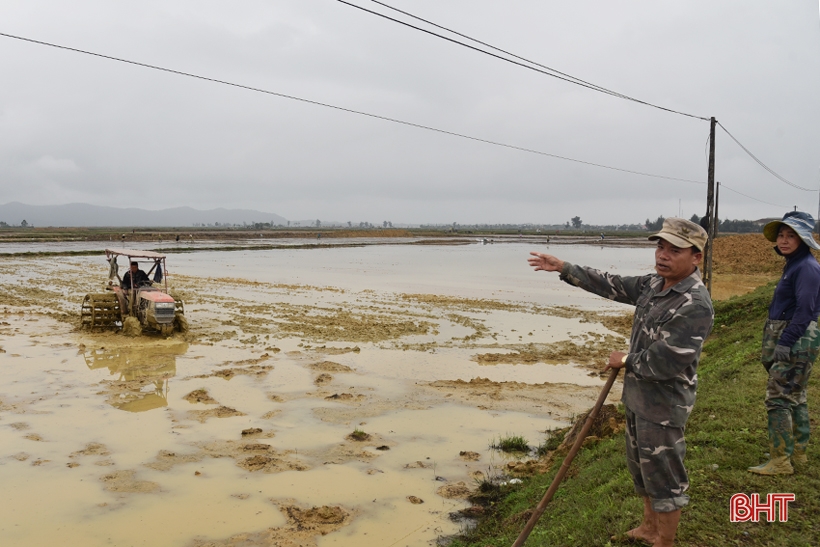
x=673 y=316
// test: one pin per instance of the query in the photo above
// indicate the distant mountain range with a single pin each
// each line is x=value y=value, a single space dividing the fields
x=83 y=214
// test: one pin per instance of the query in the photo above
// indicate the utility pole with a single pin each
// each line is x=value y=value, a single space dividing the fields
x=717 y=202
x=710 y=209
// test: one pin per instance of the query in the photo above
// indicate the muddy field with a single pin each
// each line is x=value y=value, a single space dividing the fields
x=349 y=401
x=292 y=413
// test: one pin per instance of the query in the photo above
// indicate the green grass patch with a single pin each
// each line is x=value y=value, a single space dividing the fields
x=553 y=440
x=359 y=435
x=725 y=434
x=511 y=443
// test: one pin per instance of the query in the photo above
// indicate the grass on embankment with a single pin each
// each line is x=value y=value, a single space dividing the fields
x=725 y=434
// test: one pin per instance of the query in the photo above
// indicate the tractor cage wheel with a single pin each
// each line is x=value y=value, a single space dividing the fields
x=99 y=310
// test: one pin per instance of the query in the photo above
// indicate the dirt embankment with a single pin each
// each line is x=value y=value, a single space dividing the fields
x=743 y=262
x=746 y=254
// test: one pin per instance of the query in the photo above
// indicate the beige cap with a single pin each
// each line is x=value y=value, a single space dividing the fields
x=682 y=233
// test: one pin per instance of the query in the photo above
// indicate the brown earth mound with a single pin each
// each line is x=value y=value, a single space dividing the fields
x=607 y=423
x=219 y=412
x=329 y=366
x=746 y=254
x=303 y=528
x=124 y=482
x=458 y=490
x=200 y=396
x=591 y=352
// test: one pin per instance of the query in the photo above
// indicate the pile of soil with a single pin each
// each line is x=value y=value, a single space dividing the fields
x=746 y=254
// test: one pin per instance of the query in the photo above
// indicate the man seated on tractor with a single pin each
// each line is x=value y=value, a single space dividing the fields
x=135 y=278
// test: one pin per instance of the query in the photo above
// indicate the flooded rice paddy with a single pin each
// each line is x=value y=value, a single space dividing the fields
x=322 y=397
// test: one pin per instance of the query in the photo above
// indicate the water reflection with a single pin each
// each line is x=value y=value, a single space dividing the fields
x=142 y=374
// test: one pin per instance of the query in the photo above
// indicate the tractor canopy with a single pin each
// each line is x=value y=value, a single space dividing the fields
x=134 y=253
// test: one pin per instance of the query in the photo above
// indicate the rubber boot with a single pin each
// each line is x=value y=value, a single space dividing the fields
x=781 y=444
x=800 y=420
x=667 y=528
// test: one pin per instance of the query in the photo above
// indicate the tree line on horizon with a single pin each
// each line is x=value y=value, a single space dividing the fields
x=575 y=223
x=725 y=225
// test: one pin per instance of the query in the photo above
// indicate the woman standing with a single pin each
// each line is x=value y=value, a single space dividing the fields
x=791 y=342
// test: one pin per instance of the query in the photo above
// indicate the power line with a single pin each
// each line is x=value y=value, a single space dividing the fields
x=566 y=77
x=722 y=185
x=560 y=75
x=349 y=110
x=548 y=71
x=763 y=165
x=604 y=90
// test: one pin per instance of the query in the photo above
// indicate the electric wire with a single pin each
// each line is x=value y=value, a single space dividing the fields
x=349 y=110
x=548 y=72
x=722 y=185
x=763 y=165
x=571 y=79
x=603 y=89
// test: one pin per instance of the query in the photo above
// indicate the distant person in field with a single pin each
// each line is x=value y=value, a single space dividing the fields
x=791 y=342
x=135 y=278
x=673 y=316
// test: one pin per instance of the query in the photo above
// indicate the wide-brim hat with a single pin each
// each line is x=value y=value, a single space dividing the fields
x=682 y=233
x=802 y=223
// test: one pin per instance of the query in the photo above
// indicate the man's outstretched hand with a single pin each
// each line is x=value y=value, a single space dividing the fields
x=547 y=263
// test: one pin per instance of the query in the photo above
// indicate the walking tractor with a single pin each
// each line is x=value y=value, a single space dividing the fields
x=136 y=297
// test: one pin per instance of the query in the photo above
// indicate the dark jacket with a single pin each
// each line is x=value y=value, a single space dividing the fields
x=140 y=278
x=797 y=296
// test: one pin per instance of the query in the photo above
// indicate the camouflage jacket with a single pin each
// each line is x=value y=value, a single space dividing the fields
x=668 y=331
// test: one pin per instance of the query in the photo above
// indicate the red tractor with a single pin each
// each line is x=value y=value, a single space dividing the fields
x=136 y=294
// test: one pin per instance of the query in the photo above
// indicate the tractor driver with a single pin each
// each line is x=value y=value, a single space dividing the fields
x=135 y=277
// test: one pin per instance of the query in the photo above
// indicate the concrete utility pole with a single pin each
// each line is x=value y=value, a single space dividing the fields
x=710 y=209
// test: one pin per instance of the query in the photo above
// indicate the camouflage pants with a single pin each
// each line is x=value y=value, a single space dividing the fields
x=654 y=457
x=787 y=383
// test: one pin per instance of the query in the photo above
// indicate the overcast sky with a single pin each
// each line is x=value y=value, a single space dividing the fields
x=76 y=128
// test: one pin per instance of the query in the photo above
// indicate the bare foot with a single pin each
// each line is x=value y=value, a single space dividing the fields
x=643 y=534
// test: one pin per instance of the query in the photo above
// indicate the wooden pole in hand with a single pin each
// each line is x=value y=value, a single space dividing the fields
x=576 y=446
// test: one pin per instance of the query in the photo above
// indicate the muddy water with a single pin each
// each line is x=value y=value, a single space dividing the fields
x=239 y=432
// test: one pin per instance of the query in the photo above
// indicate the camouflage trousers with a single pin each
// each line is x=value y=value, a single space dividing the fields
x=786 y=387
x=654 y=457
